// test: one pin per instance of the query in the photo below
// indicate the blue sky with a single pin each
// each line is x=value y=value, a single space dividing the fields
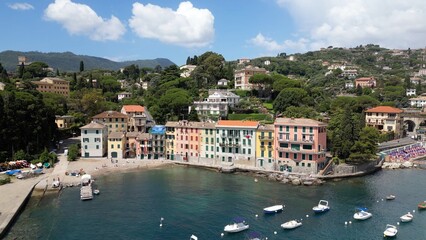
x=129 y=30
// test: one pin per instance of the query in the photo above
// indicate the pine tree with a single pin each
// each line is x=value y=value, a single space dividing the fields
x=81 y=66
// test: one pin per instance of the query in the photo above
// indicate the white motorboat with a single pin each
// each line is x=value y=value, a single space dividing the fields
x=238 y=225
x=321 y=207
x=273 y=209
x=390 y=231
x=362 y=214
x=390 y=197
x=291 y=224
x=96 y=191
x=193 y=237
x=407 y=217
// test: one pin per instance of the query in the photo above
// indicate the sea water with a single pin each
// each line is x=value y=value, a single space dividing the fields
x=176 y=202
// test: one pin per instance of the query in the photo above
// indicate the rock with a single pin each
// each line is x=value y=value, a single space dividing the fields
x=285 y=180
x=279 y=177
x=407 y=164
x=296 y=181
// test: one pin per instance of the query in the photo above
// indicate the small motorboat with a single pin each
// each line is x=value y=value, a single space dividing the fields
x=291 y=224
x=238 y=225
x=321 y=207
x=390 y=231
x=255 y=236
x=422 y=205
x=362 y=214
x=407 y=217
x=193 y=237
x=390 y=197
x=96 y=191
x=273 y=209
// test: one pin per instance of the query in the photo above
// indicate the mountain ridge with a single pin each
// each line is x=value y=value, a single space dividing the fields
x=69 y=61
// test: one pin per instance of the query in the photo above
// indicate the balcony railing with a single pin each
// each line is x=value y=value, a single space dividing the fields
x=266 y=138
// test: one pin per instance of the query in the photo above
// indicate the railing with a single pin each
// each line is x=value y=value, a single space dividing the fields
x=266 y=138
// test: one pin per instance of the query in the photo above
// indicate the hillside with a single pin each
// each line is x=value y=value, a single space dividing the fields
x=68 y=61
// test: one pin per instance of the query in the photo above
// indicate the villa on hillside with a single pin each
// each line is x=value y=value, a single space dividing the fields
x=242 y=76
x=365 y=82
x=115 y=121
x=63 y=122
x=53 y=85
x=187 y=70
x=385 y=119
x=217 y=104
x=418 y=102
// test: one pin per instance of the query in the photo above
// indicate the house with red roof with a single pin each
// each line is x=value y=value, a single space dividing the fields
x=385 y=119
x=137 y=118
x=365 y=82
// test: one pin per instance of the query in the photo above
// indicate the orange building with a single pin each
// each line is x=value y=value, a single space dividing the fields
x=369 y=82
x=385 y=119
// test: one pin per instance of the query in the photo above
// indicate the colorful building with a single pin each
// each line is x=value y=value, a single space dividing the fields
x=265 y=147
x=53 y=85
x=208 y=143
x=300 y=144
x=236 y=142
x=116 y=122
x=136 y=117
x=242 y=76
x=158 y=135
x=64 y=122
x=94 y=139
x=170 y=140
x=369 y=82
x=187 y=140
x=116 y=145
x=385 y=119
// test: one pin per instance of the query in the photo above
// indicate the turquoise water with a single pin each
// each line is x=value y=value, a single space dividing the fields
x=202 y=202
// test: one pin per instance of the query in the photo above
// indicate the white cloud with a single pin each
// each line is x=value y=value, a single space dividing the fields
x=187 y=26
x=392 y=24
x=80 y=19
x=21 y=6
x=273 y=47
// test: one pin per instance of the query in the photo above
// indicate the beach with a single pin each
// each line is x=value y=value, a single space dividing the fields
x=15 y=194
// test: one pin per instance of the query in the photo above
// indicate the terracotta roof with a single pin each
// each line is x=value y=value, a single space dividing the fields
x=116 y=135
x=237 y=123
x=384 y=109
x=133 y=108
x=110 y=114
x=266 y=127
x=93 y=125
x=365 y=79
x=188 y=124
x=298 y=122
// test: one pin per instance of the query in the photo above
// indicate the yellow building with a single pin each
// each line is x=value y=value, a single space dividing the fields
x=265 y=147
x=115 y=121
x=64 y=121
x=170 y=139
x=116 y=143
x=53 y=85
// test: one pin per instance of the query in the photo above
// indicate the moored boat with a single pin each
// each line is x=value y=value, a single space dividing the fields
x=407 y=217
x=362 y=214
x=238 y=224
x=390 y=197
x=96 y=191
x=321 y=207
x=422 y=205
x=390 y=231
x=273 y=209
x=291 y=224
x=193 y=237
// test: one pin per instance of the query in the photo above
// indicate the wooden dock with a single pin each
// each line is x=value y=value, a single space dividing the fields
x=86 y=192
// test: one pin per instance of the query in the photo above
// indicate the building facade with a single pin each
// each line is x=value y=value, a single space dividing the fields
x=265 y=147
x=418 y=101
x=116 y=122
x=94 y=140
x=366 y=82
x=63 y=122
x=242 y=76
x=53 y=85
x=217 y=104
x=158 y=135
x=300 y=144
x=385 y=119
x=137 y=118
x=236 y=142
x=116 y=145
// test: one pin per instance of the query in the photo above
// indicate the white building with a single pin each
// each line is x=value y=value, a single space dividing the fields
x=187 y=70
x=222 y=82
x=349 y=85
x=2 y=85
x=411 y=92
x=123 y=95
x=418 y=101
x=94 y=140
x=217 y=103
x=236 y=142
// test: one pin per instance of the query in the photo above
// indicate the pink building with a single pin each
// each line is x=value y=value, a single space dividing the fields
x=187 y=139
x=300 y=144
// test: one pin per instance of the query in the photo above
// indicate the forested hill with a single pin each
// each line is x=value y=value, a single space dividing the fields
x=68 y=61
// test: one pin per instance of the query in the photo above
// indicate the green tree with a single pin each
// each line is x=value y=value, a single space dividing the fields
x=300 y=112
x=358 y=90
x=81 y=66
x=365 y=148
x=289 y=97
x=73 y=152
x=21 y=70
x=21 y=155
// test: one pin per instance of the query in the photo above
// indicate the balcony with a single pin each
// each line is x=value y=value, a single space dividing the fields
x=266 y=138
x=300 y=141
x=292 y=150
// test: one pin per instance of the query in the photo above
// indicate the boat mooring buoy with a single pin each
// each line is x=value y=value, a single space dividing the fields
x=350 y=222
x=256 y=215
x=346 y=223
x=307 y=215
x=222 y=234
x=397 y=223
x=414 y=210
x=275 y=232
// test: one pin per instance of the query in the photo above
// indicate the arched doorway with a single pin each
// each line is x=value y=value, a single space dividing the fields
x=409 y=126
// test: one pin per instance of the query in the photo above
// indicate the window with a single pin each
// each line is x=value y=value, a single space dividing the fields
x=97 y=146
x=118 y=145
x=311 y=129
x=211 y=148
x=269 y=153
x=262 y=153
x=223 y=159
x=309 y=165
x=207 y=140
x=308 y=147
x=280 y=154
x=236 y=150
x=303 y=156
x=116 y=125
x=303 y=129
x=85 y=146
x=295 y=137
x=310 y=156
x=97 y=131
x=287 y=128
x=244 y=151
x=284 y=145
x=244 y=142
x=295 y=156
x=223 y=149
x=281 y=128
x=217 y=149
x=249 y=151
x=303 y=164
x=207 y=148
x=249 y=142
x=85 y=131
x=286 y=155
x=206 y=131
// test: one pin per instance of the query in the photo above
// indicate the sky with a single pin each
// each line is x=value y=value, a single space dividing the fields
x=129 y=30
